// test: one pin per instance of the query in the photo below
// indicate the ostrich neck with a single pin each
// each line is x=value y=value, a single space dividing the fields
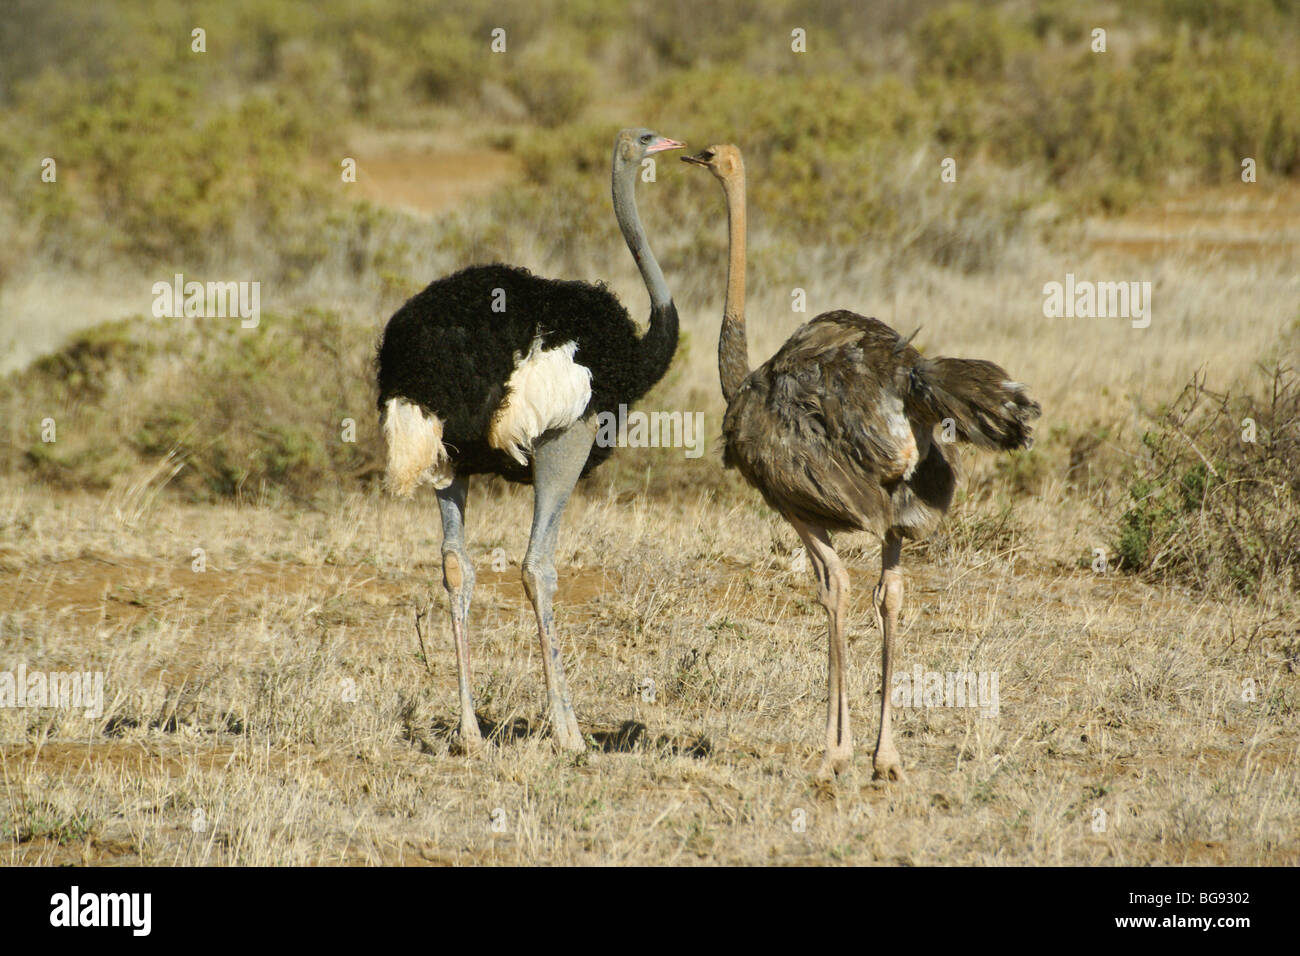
x=629 y=222
x=733 y=348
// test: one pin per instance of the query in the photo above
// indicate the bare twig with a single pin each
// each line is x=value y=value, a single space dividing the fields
x=419 y=634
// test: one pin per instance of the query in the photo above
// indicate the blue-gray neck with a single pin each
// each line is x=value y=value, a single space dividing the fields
x=629 y=222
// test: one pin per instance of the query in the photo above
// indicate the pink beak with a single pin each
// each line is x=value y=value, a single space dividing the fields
x=662 y=143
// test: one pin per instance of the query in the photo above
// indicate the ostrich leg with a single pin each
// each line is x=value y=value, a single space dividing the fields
x=889 y=601
x=458 y=579
x=833 y=592
x=557 y=463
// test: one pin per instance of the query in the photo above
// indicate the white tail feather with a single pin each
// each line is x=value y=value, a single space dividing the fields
x=547 y=389
x=416 y=454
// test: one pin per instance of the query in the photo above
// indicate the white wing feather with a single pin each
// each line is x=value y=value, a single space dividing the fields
x=546 y=390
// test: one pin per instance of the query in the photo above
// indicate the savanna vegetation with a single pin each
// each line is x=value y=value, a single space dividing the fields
x=1171 y=451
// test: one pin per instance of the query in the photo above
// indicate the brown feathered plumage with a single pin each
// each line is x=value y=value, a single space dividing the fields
x=837 y=428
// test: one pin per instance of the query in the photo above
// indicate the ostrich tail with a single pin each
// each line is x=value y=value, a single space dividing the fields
x=979 y=399
x=416 y=454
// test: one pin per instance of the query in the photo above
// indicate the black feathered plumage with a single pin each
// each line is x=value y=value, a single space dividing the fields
x=449 y=352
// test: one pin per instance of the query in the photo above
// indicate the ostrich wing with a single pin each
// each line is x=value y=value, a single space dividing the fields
x=821 y=428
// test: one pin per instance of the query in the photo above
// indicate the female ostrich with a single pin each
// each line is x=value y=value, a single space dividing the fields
x=836 y=432
x=493 y=370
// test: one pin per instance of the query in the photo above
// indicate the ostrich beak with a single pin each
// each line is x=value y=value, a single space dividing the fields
x=662 y=143
x=698 y=160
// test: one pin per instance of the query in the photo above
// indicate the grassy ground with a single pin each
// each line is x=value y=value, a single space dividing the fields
x=276 y=708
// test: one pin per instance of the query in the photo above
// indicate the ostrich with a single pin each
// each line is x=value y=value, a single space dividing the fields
x=836 y=432
x=494 y=370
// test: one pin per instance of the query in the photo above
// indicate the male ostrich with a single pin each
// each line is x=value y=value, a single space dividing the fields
x=493 y=370
x=836 y=432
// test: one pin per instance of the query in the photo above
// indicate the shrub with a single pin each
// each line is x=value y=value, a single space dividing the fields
x=1215 y=498
x=1228 y=16
x=96 y=360
x=450 y=63
x=240 y=409
x=554 y=82
x=965 y=42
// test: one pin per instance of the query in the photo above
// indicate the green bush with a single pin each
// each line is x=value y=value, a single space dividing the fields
x=967 y=42
x=253 y=408
x=1229 y=16
x=857 y=170
x=266 y=406
x=97 y=359
x=1215 y=496
x=1179 y=106
x=166 y=155
x=554 y=83
x=175 y=176
x=450 y=62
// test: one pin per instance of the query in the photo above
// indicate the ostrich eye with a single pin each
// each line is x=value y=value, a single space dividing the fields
x=709 y=154
x=645 y=138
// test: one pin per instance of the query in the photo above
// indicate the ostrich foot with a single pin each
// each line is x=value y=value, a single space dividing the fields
x=468 y=740
x=833 y=764
x=564 y=729
x=574 y=730
x=568 y=740
x=888 y=767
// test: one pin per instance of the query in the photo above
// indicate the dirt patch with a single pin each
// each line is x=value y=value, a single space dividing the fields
x=425 y=173
x=94 y=589
x=65 y=759
x=1235 y=223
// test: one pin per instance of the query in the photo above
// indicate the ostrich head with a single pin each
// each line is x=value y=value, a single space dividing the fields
x=634 y=145
x=723 y=161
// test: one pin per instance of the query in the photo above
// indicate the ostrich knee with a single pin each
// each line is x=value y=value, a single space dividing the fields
x=540 y=582
x=889 y=595
x=833 y=588
x=458 y=579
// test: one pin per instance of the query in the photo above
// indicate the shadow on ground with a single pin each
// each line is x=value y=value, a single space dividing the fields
x=631 y=736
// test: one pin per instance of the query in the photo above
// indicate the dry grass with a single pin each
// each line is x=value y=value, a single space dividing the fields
x=226 y=694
